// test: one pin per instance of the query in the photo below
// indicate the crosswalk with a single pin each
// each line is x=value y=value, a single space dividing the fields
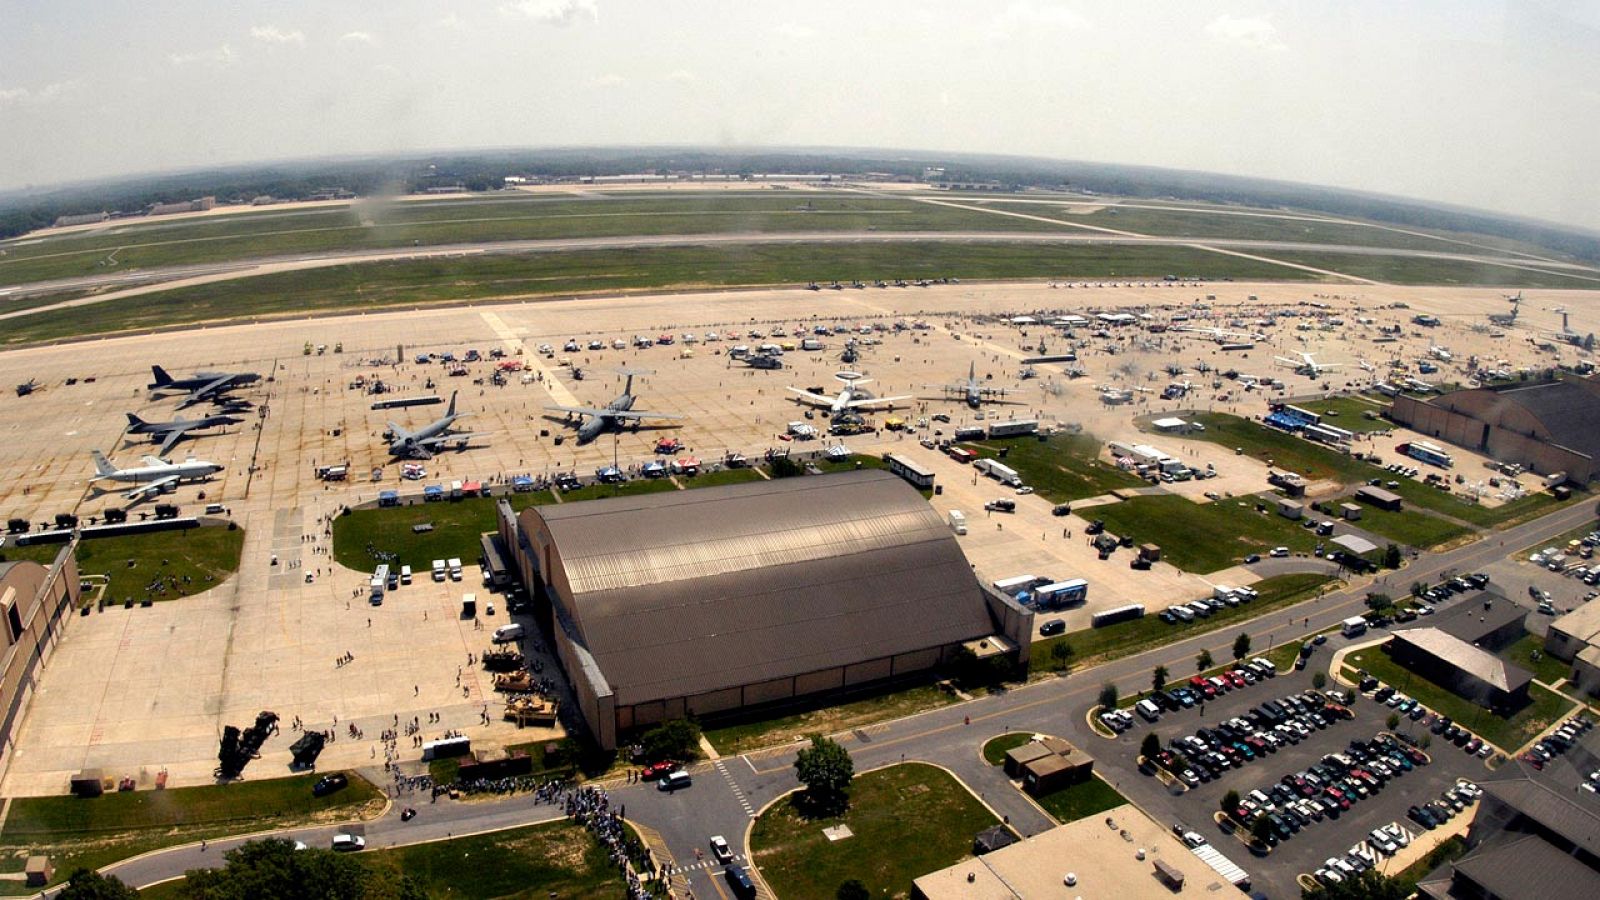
x=738 y=792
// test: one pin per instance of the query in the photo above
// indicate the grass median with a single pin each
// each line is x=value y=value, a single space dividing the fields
x=1093 y=646
x=456 y=528
x=996 y=748
x=1061 y=468
x=827 y=715
x=1202 y=537
x=1081 y=800
x=90 y=833
x=907 y=820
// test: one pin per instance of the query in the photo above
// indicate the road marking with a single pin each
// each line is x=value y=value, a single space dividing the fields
x=738 y=793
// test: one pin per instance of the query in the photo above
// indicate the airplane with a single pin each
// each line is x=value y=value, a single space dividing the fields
x=421 y=444
x=1440 y=353
x=613 y=414
x=1510 y=318
x=761 y=361
x=972 y=391
x=203 y=386
x=170 y=433
x=1223 y=336
x=155 y=475
x=848 y=399
x=27 y=387
x=1307 y=365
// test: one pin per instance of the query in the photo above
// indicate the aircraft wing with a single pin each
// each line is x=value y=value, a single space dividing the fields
x=811 y=399
x=173 y=436
x=150 y=487
x=641 y=414
x=440 y=440
x=876 y=401
x=397 y=433
x=153 y=460
x=584 y=410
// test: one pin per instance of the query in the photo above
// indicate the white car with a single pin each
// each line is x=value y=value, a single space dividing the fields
x=347 y=843
x=1024 y=490
x=721 y=850
x=1280 y=552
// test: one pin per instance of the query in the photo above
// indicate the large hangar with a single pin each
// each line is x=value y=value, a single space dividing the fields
x=1548 y=426
x=689 y=603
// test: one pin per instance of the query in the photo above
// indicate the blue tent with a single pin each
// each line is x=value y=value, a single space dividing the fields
x=388 y=498
x=521 y=484
x=433 y=492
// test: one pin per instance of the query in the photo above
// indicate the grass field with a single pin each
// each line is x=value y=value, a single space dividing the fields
x=854 y=462
x=908 y=820
x=1525 y=507
x=162 y=565
x=1061 y=468
x=720 y=477
x=1079 y=801
x=630 y=488
x=1401 y=270
x=1545 y=668
x=91 y=833
x=825 y=716
x=1096 y=645
x=995 y=749
x=525 y=276
x=1544 y=708
x=1279 y=448
x=1406 y=526
x=457 y=525
x=1349 y=413
x=559 y=859
x=1232 y=529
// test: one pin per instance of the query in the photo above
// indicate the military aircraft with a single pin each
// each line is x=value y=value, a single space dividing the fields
x=203 y=386
x=1307 y=365
x=852 y=397
x=155 y=475
x=761 y=361
x=972 y=391
x=27 y=387
x=422 y=443
x=169 y=433
x=613 y=415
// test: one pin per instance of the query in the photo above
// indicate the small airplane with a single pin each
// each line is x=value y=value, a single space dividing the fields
x=27 y=387
x=613 y=415
x=1223 y=336
x=422 y=443
x=849 y=398
x=972 y=391
x=1307 y=365
x=155 y=475
x=169 y=433
x=203 y=386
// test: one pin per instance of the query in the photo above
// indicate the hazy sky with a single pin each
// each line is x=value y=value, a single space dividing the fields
x=1495 y=105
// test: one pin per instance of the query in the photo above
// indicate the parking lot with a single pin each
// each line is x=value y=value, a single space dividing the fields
x=1306 y=849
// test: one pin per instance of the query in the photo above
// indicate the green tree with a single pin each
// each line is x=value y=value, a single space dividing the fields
x=1318 y=680
x=675 y=739
x=826 y=770
x=852 y=890
x=1391 y=556
x=1261 y=829
x=273 y=868
x=1158 y=678
x=1230 y=801
x=1202 y=661
x=1109 y=695
x=1061 y=652
x=1241 y=646
x=87 y=884
x=1417 y=587
x=784 y=467
x=1392 y=721
x=1150 y=745
x=1369 y=885
x=1379 y=602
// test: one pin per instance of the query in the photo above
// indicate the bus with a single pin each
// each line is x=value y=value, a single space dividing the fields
x=1432 y=454
x=1117 y=614
x=961 y=455
x=1062 y=594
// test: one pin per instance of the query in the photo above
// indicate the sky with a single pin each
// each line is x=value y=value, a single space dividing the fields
x=1494 y=105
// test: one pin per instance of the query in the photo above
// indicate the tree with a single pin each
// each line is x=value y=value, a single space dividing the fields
x=1261 y=829
x=1392 y=721
x=1158 y=678
x=1109 y=695
x=1588 y=342
x=1150 y=746
x=1391 y=556
x=1369 y=885
x=1061 y=652
x=1202 y=661
x=1379 y=602
x=1417 y=587
x=852 y=890
x=675 y=739
x=1230 y=801
x=1241 y=646
x=784 y=467
x=1318 y=680
x=826 y=770
x=87 y=884
x=273 y=868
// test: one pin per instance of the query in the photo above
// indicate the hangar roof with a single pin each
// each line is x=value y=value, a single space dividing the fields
x=1475 y=661
x=684 y=592
x=1569 y=411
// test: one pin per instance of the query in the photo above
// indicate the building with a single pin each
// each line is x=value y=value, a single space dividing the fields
x=167 y=209
x=920 y=476
x=1575 y=638
x=1379 y=497
x=1547 y=426
x=1171 y=425
x=1118 y=854
x=1473 y=673
x=711 y=601
x=83 y=219
x=1486 y=619
x=1526 y=840
x=34 y=603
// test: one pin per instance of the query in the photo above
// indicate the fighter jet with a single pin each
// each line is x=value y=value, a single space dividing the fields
x=852 y=397
x=613 y=415
x=155 y=475
x=203 y=386
x=1307 y=365
x=972 y=391
x=422 y=443
x=169 y=433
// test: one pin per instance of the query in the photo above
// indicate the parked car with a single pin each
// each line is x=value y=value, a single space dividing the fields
x=328 y=784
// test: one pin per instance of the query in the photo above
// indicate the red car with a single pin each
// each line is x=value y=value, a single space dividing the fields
x=1234 y=678
x=656 y=771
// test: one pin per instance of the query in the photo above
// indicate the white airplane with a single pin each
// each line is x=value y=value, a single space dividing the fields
x=848 y=399
x=155 y=475
x=1222 y=335
x=1307 y=364
x=1440 y=353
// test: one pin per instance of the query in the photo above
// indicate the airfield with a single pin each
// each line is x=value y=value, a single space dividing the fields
x=135 y=691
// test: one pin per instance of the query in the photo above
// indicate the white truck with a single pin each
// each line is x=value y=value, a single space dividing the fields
x=998 y=471
x=801 y=431
x=438 y=570
x=455 y=569
x=958 y=521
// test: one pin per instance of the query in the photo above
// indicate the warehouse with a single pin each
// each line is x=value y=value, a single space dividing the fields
x=692 y=603
x=34 y=601
x=1472 y=673
x=1548 y=426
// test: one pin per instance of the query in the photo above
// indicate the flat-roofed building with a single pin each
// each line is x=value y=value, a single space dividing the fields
x=34 y=604
x=1471 y=672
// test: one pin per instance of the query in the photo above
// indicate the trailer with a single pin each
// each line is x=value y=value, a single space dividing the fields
x=998 y=471
x=1062 y=594
x=1016 y=584
x=1117 y=614
x=1014 y=428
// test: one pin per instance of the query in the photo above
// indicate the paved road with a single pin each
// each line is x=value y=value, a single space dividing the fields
x=207 y=273
x=727 y=794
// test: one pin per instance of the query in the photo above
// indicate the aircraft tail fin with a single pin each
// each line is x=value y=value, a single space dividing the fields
x=162 y=378
x=134 y=421
x=102 y=465
x=451 y=410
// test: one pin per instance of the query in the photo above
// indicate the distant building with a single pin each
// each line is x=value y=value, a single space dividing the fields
x=84 y=219
x=1575 y=638
x=1548 y=426
x=1379 y=497
x=34 y=604
x=167 y=209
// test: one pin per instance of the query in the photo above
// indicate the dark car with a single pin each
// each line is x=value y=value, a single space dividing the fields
x=1422 y=817
x=1056 y=626
x=739 y=880
x=328 y=784
x=1060 y=509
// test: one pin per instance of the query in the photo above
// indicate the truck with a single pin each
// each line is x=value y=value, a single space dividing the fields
x=958 y=521
x=1062 y=594
x=439 y=573
x=1354 y=626
x=998 y=471
x=810 y=344
x=455 y=568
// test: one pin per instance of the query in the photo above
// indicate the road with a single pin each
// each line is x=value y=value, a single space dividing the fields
x=728 y=793
x=168 y=277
